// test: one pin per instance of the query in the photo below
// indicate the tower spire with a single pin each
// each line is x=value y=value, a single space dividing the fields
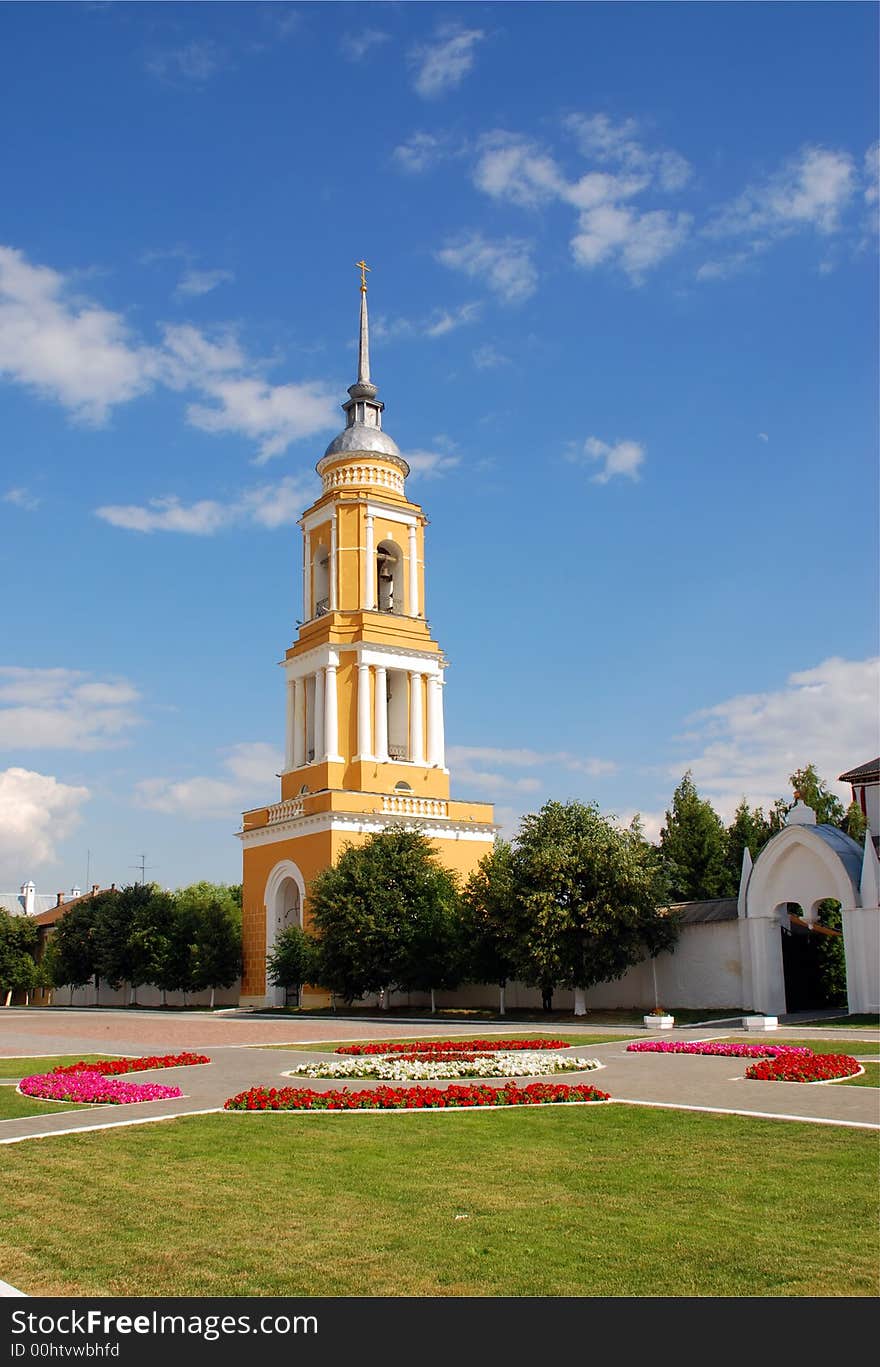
x=364 y=387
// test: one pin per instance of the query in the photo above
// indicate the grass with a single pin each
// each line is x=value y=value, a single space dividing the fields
x=580 y=1201
x=330 y=1046
x=869 y=1078
x=856 y=1047
x=25 y=1066
x=13 y=1105
x=845 y=1022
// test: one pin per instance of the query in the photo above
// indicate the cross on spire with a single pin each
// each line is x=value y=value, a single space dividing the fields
x=363 y=268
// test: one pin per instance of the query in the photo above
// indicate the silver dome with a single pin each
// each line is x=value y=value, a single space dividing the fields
x=359 y=437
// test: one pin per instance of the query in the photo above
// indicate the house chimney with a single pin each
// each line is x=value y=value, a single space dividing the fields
x=59 y=898
x=29 y=895
x=95 y=887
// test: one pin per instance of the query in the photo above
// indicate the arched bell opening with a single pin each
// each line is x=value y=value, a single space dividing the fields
x=321 y=579
x=389 y=577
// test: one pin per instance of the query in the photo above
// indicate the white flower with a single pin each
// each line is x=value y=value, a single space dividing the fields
x=390 y=1068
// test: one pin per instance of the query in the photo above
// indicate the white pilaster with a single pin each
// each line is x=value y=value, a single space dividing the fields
x=290 y=728
x=436 y=746
x=299 y=723
x=370 y=567
x=333 y=558
x=413 y=573
x=320 y=747
x=381 y=710
x=331 y=718
x=416 y=720
x=365 y=739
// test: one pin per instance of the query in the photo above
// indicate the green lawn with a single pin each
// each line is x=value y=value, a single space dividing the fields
x=869 y=1078
x=13 y=1105
x=580 y=1201
x=845 y=1022
x=330 y=1046
x=854 y=1047
x=26 y=1066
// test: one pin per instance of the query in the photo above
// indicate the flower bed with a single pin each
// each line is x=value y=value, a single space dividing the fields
x=716 y=1047
x=795 y=1068
x=89 y=1087
x=410 y=1098
x=407 y=1068
x=417 y=1047
x=133 y=1065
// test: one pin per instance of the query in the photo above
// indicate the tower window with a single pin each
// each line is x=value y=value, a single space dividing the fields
x=402 y=787
x=389 y=577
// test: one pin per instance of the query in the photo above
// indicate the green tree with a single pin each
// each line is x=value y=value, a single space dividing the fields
x=75 y=943
x=855 y=823
x=750 y=830
x=593 y=899
x=18 y=943
x=124 y=955
x=488 y=916
x=693 y=844
x=814 y=791
x=217 y=947
x=370 y=911
x=295 y=959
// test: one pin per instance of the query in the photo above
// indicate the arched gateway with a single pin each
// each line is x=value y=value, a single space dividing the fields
x=807 y=863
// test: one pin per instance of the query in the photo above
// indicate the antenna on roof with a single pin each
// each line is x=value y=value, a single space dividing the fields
x=143 y=866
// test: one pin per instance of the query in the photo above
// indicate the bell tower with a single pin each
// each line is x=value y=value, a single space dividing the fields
x=364 y=681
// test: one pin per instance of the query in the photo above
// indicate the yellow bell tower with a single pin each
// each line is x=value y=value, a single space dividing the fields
x=364 y=679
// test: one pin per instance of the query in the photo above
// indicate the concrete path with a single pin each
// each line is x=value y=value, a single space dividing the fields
x=241 y=1059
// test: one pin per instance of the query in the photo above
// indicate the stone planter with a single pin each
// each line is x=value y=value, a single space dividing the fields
x=658 y=1022
x=760 y=1022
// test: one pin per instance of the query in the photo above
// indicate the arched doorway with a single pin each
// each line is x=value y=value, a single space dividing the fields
x=284 y=899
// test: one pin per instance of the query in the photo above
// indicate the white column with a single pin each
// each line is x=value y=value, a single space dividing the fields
x=332 y=566
x=299 y=723
x=320 y=747
x=365 y=740
x=331 y=721
x=436 y=747
x=307 y=580
x=381 y=715
x=416 y=721
x=413 y=574
x=290 y=729
x=370 y=567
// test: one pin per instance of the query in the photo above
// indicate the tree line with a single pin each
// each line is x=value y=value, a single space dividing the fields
x=183 y=941
x=572 y=901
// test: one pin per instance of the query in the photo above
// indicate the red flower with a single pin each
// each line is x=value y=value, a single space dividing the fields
x=412 y=1098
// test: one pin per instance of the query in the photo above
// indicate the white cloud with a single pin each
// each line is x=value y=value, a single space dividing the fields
x=63 y=709
x=489 y=357
x=763 y=436
x=622 y=458
x=85 y=358
x=872 y=173
x=430 y=464
x=636 y=242
x=436 y=324
x=443 y=62
x=36 y=811
x=195 y=282
x=419 y=152
x=447 y=320
x=69 y=350
x=251 y=767
x=267 y=505
x=272 y=415
x=22 y=498
x=652 y=822
x=749 y=744
x=811 y=190
x=192 y=63
x=355 y=46
x=505 y=265
x=511 y=167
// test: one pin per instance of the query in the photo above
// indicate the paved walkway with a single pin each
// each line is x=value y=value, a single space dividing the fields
x=241 y=1058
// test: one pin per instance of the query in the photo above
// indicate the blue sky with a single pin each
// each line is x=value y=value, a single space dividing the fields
x=624 y=271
